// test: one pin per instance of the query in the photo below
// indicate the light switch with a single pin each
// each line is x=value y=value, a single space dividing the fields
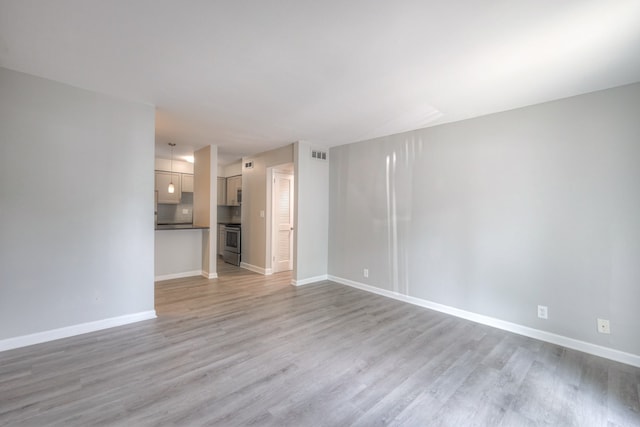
x=261 y=214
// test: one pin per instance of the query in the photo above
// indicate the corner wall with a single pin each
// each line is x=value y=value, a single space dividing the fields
x=498 y=214
x=205 y=206
x=76 y=207
x=311 y=241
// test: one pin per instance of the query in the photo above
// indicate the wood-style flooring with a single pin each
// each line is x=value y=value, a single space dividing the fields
x=246 y=349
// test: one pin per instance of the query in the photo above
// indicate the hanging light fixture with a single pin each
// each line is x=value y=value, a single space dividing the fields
x=171 y=188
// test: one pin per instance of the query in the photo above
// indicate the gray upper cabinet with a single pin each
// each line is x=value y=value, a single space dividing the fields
x=162 y=187
x=234 y=190
x=187 y=183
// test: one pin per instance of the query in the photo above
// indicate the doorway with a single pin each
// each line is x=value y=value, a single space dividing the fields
x=282 y=219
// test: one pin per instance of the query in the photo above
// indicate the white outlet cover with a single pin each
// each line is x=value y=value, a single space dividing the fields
x=604 y=327
x=543 y=312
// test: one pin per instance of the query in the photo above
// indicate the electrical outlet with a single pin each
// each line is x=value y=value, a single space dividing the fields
x=603 y=326
x=365 y=272
x=543 y=312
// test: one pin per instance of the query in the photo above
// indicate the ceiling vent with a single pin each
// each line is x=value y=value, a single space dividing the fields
x=319 y=155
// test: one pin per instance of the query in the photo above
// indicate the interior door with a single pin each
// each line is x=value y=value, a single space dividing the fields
x=282 y=249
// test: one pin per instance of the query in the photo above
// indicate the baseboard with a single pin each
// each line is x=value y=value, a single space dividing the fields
x=177 y=275
x=268 y=271
x=309 y=280
x=253 y=268
x=586 y=347
x=207 y=275
x=70 y=331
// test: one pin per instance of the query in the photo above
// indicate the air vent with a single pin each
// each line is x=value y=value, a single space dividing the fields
x=319 y=155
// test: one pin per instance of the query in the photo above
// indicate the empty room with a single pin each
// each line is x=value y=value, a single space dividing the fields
x=338 y=213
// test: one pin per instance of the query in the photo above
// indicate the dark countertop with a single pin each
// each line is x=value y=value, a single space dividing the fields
x=179 y=227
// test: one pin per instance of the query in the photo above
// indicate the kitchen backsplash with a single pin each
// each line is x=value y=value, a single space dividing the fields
x=229 y=214
x=177 y=214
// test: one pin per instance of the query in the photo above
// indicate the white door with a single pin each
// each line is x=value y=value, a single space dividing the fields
x=282 y=249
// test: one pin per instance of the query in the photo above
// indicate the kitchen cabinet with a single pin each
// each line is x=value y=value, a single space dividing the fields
x=222 y=191
x=234 y=190
x=187 y=183
x=162 y=187
x=220 y=239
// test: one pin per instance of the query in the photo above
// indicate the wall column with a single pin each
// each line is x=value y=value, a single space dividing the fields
x=205 y=205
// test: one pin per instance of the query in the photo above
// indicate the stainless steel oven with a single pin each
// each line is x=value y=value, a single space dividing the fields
x=232 y=240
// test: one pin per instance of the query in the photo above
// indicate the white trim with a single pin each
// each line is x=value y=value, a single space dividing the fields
x=595 y=349
x=208 y=275
x=253 y=268
x=268 y=271
x=268 y=260
x=70 y=331
x=177 y=275
x=272 y=220
x=309 y=280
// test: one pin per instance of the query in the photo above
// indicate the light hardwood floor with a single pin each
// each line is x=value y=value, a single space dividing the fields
x=251 y=350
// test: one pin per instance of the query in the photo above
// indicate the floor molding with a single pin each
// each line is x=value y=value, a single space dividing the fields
x=177 y=275
x=70 y=331
x=207 y=275
x=309 y=280
x=253 y=268
x=597 y=350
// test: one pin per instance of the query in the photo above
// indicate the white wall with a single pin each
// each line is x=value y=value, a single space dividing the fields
x=311 y=215
x=76 y=206
x=498 y=214
x=232 y=169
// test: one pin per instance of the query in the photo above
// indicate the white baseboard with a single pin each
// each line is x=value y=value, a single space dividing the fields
x=309 y=280
x=253 y=268
x=69 y=331
x=268 y=271
x=207 y=275
x=178 y=275
x=586 y=347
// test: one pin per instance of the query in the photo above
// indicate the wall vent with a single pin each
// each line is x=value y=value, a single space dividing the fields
x=319 y=155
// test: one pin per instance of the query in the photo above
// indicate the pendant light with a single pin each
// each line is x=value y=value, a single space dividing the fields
x=171 y=188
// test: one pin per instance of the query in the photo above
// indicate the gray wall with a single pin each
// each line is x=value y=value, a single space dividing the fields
x=498 y=214
x=178 y=252
x=254 y=200
x=76 y=206
x=311 y=240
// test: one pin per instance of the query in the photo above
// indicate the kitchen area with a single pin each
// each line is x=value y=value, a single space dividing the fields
x=182 y=247
x=229 y=214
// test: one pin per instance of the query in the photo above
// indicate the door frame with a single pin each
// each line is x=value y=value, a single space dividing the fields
x=286 y=168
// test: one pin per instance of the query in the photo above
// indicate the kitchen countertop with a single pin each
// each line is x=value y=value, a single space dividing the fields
x=180 y=227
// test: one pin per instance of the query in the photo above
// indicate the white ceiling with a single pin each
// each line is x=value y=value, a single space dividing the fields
x=250 y=75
